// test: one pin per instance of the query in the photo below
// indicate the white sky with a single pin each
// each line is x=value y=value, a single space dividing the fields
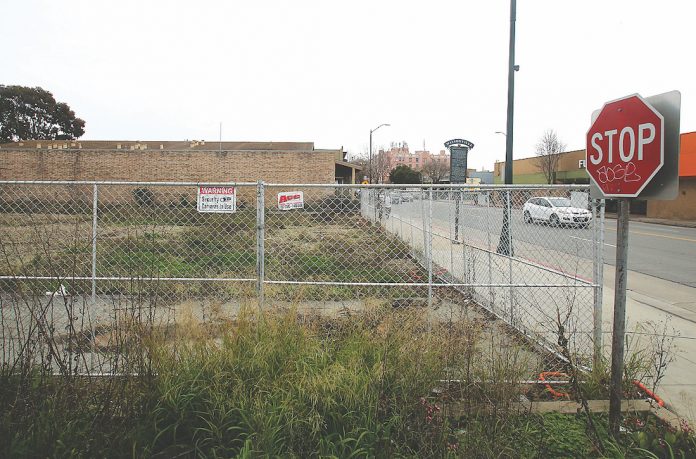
x=328 y=71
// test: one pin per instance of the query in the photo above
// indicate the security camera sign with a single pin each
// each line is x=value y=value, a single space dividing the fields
x=217 y=199
x=288 y=200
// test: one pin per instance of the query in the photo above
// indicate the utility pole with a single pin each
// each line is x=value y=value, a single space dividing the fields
x=505 y=244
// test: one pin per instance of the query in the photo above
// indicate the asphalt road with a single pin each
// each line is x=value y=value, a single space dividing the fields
x=665 y=252
x=662 y=251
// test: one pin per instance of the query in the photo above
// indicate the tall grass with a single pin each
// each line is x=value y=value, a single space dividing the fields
x=371 y=384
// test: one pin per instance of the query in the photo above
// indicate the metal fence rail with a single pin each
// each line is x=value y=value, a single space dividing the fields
x=94 y=253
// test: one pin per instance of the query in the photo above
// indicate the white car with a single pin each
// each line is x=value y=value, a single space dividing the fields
x=556 y=211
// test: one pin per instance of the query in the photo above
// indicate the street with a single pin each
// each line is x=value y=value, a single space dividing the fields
x=667 y=252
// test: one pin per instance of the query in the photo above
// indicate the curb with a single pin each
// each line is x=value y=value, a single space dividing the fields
x=657 y=221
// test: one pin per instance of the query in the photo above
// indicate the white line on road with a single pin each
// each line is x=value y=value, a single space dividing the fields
x=589 y=240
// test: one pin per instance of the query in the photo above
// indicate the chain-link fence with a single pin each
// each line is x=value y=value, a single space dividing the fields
x=529 y=255
x=84 y=263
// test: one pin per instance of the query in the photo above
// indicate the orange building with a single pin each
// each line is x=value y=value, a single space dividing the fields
x=684 y=207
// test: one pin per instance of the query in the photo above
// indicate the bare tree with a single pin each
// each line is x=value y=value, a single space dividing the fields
x=383 y=165
x=548 y=151
x=435 y=170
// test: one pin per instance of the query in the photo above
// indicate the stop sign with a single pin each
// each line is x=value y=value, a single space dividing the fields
x=625 y=146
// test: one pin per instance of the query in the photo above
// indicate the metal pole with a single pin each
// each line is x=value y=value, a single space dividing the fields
x=95 y=198
x=430 y=248
x=260 y=234
x=617 y=340
x=468 y=265
x=511 y=95
x=423 y=227
x=503 y=247
x=509 y=244
x=598 y=262
x=491 y=293
x=456 y=219
x=370 y=169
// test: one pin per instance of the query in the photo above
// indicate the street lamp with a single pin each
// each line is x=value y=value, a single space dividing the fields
x=371 y=131
x=505 y=244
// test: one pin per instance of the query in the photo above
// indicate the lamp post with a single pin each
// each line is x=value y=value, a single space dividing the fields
x=505 y=244
x=371 y=131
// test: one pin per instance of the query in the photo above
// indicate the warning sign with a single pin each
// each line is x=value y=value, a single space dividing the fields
x=217 y=199
x=290 y=200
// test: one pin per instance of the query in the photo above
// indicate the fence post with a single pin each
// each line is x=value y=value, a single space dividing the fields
x=95 y=198
x=465 y=261
x=491 y=293
x=424 y=227
x=598 y=262
x=260 y=234
x=508 y=202
x=430 y=248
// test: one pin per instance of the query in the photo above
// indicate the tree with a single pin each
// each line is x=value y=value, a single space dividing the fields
x=33 y=113
x=403 y=175
x=548 y=151
x=435 y=170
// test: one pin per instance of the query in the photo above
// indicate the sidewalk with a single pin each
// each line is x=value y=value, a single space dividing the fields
x=649 y=299
x=657 y=221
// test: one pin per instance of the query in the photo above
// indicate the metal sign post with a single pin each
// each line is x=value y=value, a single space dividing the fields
x=619 y=329
x=632 y=152
x=459 y=153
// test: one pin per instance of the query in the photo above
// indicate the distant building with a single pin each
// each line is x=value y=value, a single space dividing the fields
x=190 y=160
x=571 y=170
x=400 y=155
x=485 y=177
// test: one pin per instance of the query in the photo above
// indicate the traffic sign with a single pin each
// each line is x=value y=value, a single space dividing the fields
x=625 y=147
x=629 y=145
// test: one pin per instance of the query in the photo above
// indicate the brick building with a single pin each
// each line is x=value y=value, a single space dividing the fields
x=399 y=154
x=195 y=161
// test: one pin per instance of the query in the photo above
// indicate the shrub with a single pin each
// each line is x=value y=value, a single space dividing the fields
x=144 y=197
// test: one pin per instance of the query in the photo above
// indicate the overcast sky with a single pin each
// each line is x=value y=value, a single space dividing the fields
x=328 y=71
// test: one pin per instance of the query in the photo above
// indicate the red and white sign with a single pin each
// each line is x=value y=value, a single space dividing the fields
x=217 y=199
x=290 y=200
x=625 y=146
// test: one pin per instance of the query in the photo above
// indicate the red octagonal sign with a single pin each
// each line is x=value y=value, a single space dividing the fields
x=625 y=146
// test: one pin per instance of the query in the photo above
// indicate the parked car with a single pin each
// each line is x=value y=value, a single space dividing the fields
x=555 y=211
x=395 y=197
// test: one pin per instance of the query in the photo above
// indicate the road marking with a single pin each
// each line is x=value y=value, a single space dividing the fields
x=588 y=240
x=666 y=237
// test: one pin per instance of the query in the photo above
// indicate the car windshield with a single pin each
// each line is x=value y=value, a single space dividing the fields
x=560 y=202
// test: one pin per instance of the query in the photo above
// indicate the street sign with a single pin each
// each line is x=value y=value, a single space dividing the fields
x=216 y=199
x=625 y=147
x=290 y=200
x=459 y=152
x=630 y=144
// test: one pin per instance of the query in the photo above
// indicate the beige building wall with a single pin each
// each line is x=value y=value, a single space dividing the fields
x=316 y=166
x=682 y=208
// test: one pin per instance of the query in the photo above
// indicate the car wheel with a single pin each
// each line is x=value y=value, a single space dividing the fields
x=527 y=217
x=553 y=220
